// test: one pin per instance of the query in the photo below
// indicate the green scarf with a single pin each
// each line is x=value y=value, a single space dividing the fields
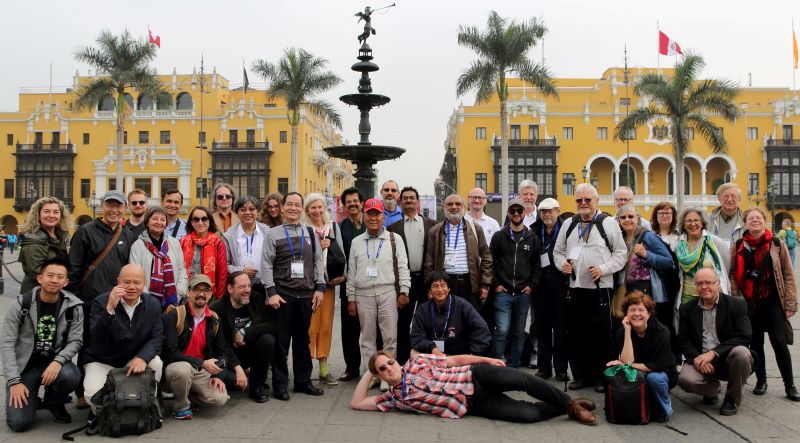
x=629 y=371
x=690 y=261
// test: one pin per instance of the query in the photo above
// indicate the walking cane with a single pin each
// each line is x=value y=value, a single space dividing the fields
x=568 y=300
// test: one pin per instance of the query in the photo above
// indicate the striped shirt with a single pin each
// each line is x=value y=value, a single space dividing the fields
x=430 y=387
x=455 y=243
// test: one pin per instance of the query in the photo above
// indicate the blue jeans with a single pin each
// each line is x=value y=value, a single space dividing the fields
x=57 y=393
x=510 y=315
x=658 y=382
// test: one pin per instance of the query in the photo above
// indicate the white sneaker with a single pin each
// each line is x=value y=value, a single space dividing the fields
x=384 y=386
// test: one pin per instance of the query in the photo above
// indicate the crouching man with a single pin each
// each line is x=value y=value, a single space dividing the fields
x=41 y=334
x=453 y=386
x=195 y=351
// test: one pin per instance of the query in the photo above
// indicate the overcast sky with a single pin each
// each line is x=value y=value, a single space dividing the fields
x=415 y=47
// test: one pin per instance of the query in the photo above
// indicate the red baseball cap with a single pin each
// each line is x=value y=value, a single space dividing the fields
x=374 y=204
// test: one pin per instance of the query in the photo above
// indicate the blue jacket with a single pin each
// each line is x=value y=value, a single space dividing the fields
x=467 y=332
x=658 y=259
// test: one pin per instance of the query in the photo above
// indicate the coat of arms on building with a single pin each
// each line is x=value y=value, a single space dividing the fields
x=659 y=131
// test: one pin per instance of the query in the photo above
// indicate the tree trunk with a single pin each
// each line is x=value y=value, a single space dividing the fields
x=679 y=180
x=120 y=140
x=294 y=187
x=504 y=156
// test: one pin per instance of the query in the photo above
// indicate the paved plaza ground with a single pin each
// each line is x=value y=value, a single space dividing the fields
x=329 y=418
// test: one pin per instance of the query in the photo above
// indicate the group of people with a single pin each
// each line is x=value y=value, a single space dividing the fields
x=432 y=313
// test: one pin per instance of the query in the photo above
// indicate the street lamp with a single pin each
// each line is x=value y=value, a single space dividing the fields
x=92 y=203
x=772 y=192
x=585 y=173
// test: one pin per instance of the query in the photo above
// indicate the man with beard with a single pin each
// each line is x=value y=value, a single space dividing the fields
x=137 y=203
x=351 y=227
x=195 y=353
x=222 y=205
x=390 y=192
x=458 y=247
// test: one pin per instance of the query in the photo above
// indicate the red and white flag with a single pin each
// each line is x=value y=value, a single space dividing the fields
x=154 y=39
x=667 y=46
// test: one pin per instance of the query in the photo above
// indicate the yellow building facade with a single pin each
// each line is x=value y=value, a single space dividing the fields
x=52 y=150
x=562 y=142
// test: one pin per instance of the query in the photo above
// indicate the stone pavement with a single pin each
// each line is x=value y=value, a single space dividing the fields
x=329 y=418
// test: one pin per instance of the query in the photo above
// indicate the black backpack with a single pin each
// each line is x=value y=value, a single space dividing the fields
x=626 y=402
x=126 y=405
x=597 y=222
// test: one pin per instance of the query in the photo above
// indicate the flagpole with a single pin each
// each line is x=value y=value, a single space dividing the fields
x=51 y=84
x=658 y=39
x=794 y=69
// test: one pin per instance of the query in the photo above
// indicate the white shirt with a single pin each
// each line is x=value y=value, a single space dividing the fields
x=455 y=243
x=131 y=309
x=489 y=225
x=413 y=228
x=250 y=248
x=530 y=218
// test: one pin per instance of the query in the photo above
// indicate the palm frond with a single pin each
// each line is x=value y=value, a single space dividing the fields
x=90 y=95
x=538 y=76
x=708 y=131
x=324 y=109
x=638 y=117
x=481 y=76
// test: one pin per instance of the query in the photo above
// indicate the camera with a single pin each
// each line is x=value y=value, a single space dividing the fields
x=754 y=274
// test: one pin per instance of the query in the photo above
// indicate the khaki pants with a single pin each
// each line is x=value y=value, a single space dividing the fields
x=187 y=382
x=374 y=312
x=738 y=365
x=321 y=331
x=96 y=374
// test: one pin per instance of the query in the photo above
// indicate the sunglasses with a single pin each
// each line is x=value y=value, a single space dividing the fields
x=224 y=197
x=390 y=190
x=583 y=200
x=388 y=363
x=513 y=211
x=627 y=217
x=202 y=219
x=138 y=203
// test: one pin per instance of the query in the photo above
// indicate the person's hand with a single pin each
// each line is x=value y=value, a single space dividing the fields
x=114 y=297
x=238 y=340
x=325 y=243
x=484 y=294
x=626 y=324
x=275 y=301
x=337 y=281
x=703 y=362
x=614 y=363
x=137 y=366
x=496 y=362
x=316 y=301
x=436 y=351
x=352 y=309
x=51 y=373
x=211 y=367
x=251 y=272
x=789 y=314
x=402 y=300
x=18 y=396
x=500 y=288
x=596 y=272
x=526 y=290
x=567 y=269
x=217 y=385
x=639 y=250
x=241 y=378
x=707 y=369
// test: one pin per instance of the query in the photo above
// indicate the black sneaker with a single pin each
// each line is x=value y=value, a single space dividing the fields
x=710 y=400
x=91 y=422
x=60 y=414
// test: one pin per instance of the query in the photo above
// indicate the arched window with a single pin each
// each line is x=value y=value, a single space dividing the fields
x=623 y=177
x=687 y=181
x=145 y=104
x=183 y=101
x=107 y=104
x=128 y=100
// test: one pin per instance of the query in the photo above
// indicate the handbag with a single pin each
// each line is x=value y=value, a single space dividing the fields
x=789 y=332
x=335 y=261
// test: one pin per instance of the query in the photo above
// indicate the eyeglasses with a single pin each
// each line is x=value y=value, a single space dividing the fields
x=203 y=290
x=692 y=222
x=622 y=199
x=477 y=197
x=663 y=213
x=138 y=202
x=389 y=190
x=202 y=219
x=583 y=200
x=224 y=196
x=408 y=198
x=701 y=284
x=627 y=217
x=388 y=363
x=513 y=211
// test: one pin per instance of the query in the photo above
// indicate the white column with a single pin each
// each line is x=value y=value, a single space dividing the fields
x=703 y=181
x=646 y=173
x=616 y=179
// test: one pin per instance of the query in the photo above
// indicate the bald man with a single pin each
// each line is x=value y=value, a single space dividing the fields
x=390 y=193
x=127 y=332
x=476 y=201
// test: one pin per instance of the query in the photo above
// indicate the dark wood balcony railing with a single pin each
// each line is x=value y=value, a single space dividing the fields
x=783 y=142
x=35 y=147
x=528 y=142
x=24 y=203
x=241 y=145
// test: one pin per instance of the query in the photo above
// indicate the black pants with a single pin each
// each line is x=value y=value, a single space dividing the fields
x=589 y=324
x=57 y=393
x=256 y=354
x=665 y=314
x=462 y=287
x=351 y=330
x=416 y=296
x=490 y=400
x=293 y=319
x=549 y=303
x=768 y=317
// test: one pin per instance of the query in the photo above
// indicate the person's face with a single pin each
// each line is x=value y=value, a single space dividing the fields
x=388 y=369
x=638 y=316
x=247 y=214
x=390 y=191
x=224 y=198
x=622 y=198
x=477 y=199
x=586 y=203
x=273 y=208
x=664 y=217
x=408 y=201
x=156 y=224
x=693 y=224
x=138 y=204
x=353 y=204
x=374 y=221
x=52 y=279
x=755 y=223
x=315 y=210
x=549 y=216
x=454 y=209
x=200 y=222
x=133 y=281
x=707 y=284
x=439 y=291
x=240 y=289
x=172 y=204
x=199 y=295
x=49 y=215
x=528 y=195
x=729 y=200
x=628 y=220
x=112 y=211
x=293 y=208
x=516 y=214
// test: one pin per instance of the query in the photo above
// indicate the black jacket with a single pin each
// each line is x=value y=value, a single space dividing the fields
x=733 y=327
x=261 y=318
x=653 y=350
x=549 y=241
x=349 y=232
x=467 y=332
x=117 y=338
x=516 y=263
x=175 y=345
x=87 y=243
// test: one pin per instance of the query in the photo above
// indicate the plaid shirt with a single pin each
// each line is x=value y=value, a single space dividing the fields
x=429 y=386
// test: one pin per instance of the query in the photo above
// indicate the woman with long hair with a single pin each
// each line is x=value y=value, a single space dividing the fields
x=203 y=251
x=271 y=210
x=664 y=220
x=43 y=237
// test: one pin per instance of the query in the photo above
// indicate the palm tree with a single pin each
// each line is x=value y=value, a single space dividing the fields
x=122 y=63
x=502 y=49
x=686 y=103
x=296 y=78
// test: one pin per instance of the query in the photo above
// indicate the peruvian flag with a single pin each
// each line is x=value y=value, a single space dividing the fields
x=154 y=39
x=667 y=46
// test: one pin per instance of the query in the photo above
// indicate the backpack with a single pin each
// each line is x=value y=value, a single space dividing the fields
x=597 y=222
x=791 y=238
x=126 y=405
x=180 y=323
x=626 y=398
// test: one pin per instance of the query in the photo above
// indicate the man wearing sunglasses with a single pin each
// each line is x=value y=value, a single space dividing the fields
x=390 y=193
x=221 y=204
x=137 y=204
x=456 y=385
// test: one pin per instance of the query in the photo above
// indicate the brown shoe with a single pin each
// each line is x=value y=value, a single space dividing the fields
x=81 y=403
x=585 y=403
x=576 y=412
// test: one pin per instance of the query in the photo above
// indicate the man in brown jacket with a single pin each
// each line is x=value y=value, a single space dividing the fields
x=458 y=247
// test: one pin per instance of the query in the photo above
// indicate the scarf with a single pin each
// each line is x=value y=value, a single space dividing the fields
x=691 y=261
x=162 y=277
x=208 y=254
x=750 y=256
